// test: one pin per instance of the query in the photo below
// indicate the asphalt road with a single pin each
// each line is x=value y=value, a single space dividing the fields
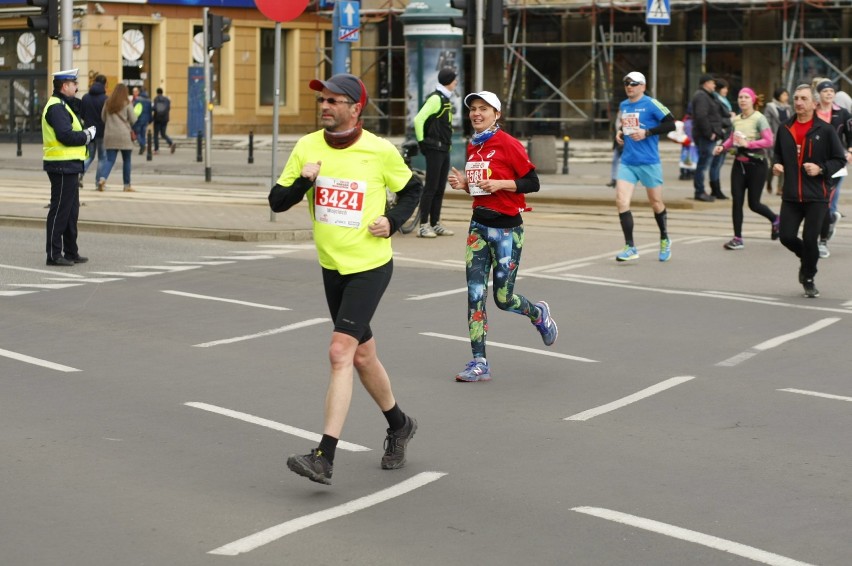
x=693 y=412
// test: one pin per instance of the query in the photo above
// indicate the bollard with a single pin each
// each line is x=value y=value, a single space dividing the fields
x=565 y=141
x=251 y=147
x=149 y=142
x=20 y=140
x=198 y=147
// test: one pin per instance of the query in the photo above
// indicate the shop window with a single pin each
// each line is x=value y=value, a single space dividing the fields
x=136 y=56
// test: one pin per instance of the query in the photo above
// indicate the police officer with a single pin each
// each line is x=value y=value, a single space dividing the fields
x=65 y=145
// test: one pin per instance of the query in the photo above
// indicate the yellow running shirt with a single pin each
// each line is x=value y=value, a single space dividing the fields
x=348 y=195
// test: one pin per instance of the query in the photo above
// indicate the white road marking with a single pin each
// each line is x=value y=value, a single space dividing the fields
x=251 y=542
x=50 y=271
x=36 y=361
x=606 y=255
x=87 y=279
x=295 y=247
x=624 y=401
x=848 y=304
x=202 y=262
x=442 y=293
x=308 y=435
x=129 y=273
x=817 y=394
x=777 y=341
x=575 y=266
x=709 y=541
x=220 y=299
x=701 y=240
x=287 y=328
x=266 y=252
x=240 y=257
x=426 y=261
x=747 y=296
x=15 y=293
x=169 y=268
x=577 y=277
x=511 y=347
x=45 y=285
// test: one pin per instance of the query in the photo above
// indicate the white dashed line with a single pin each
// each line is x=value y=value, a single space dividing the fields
x=222 y=300
x=251 y=542
x=36 y=361
x=51 y=286
x=287 y=328
x=308 y=435
x=511 y=347
x=777 y=341
x=709 y=541
x=624 y=401
x=817 y=394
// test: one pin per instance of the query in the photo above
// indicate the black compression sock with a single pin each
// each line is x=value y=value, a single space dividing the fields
x=395 y=417
x=626 y=219
x=661 y=219
x=327 y=446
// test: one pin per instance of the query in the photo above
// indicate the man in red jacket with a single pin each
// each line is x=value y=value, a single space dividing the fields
x=808 y=153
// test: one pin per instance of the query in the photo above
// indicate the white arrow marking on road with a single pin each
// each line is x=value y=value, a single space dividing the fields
x=220 y=299
x=45 y=285
x=691 y=536
x=87 y=279
x=342 y=444
x=295 y=326
x=511 y=347
x=624 y=401
x=350 y=13
x=15 y=293
x=36 y=361
x=272 y=534
x=775 y=342
x=50 y=271
x=817 y=394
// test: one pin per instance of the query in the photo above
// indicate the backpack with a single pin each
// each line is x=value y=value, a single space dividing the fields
x=160 y=107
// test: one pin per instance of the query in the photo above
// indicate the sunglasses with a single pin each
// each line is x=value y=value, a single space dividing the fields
x=332 y=101
x=631 y=83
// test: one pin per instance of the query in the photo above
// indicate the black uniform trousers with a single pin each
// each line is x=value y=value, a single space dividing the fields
x=432 y=198
x=806 y=248
x=62 y=216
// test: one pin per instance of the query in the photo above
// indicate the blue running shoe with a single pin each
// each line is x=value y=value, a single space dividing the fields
x=475 y=370
x=629 y=253
x=545 y=324
x=665 y=249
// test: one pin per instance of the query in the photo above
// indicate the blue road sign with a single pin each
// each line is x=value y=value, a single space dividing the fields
x=658 y=12
x=350 y=14
x=348 y=34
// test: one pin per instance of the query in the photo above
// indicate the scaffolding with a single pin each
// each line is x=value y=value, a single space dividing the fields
x=570 y=81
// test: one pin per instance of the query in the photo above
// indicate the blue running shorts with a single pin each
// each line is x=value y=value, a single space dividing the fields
x=651 y=176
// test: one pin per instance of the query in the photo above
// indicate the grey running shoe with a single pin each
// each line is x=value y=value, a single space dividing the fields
x=442 y=230
x=823 y=249
x=832 y=226
x=395 y=443
x=811 y=291
x=313 y=466
x=734 y=244
x=475 y=370
x=426 y=231
x=545 y=324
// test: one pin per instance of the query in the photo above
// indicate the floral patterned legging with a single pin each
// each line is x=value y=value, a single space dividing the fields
x=498 y=249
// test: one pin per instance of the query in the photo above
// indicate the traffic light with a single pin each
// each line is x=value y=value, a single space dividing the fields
x=493 y=17
x=48 y=20
x=217 y=28
x=467 y=21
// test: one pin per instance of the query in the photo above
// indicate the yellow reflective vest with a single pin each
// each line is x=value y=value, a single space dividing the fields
x=53 y=149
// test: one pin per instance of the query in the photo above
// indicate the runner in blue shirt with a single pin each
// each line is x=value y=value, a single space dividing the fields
x=643 y=119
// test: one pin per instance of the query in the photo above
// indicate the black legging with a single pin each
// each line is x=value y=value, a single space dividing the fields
x=437 y=169
x=748 y=176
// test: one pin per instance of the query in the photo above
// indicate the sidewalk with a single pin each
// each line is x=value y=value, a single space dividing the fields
x=173 y=198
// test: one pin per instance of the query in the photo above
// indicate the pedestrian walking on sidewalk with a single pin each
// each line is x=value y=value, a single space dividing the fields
x=718 y=160
x=808 y=152
x=162 y=108
x=433 y=129
x=143 y=109
x=643 y=119
x=345 y=170
x=64 y=143
x=750 y=139
x=498 y=174
x=118 y=117
x=93 y=105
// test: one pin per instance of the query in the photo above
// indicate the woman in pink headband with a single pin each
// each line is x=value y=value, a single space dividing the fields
x=751 y=136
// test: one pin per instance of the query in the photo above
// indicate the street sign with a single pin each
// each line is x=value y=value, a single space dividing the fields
x=348 y=34
x=658 y=12
x=350 y=14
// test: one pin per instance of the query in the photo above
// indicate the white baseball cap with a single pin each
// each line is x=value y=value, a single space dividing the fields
x=636 y=77
x=489 y=97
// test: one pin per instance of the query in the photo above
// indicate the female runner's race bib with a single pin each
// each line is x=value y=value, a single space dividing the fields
x=476 y=171
x=339 y=202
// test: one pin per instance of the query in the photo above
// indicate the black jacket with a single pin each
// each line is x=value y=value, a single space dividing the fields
x=706 y=115
x=822 y=147
x=59 y=119
x=162 y=107
x=93 y=103
x=438 y=131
